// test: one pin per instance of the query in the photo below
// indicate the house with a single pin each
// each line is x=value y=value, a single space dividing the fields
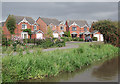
x=97 y=34
x=22 y=23
x=58 y=27
x=61 y=28
x=78 y=28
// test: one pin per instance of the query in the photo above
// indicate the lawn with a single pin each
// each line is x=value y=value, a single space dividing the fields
x=45 y=64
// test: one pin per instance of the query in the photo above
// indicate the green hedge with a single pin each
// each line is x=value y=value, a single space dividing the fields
x=71 y=39
x=50 y=43
x=94 y=38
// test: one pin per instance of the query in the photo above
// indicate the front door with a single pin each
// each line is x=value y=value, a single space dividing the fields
x=74 y=35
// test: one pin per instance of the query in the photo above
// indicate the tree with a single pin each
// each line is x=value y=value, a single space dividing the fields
x=109 y=29
x=67 y=34
x=11 y=24
x=49 y=33
x=29 y=32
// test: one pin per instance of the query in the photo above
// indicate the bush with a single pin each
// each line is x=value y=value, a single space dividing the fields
x=6 y=42
x=50 y=43
x=30 y=40
x=81 y=39
x=94 y=38
x=59 y=43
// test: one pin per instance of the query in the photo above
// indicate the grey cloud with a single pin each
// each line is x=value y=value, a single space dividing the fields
x=62 y=10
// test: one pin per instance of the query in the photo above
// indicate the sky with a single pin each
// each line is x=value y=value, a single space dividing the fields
x=89 y=11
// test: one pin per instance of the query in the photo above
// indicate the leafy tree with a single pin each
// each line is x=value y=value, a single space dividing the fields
x=29 y=32
x=67 y=34
x=49 y=33
x=109 y=29
x=11 y=24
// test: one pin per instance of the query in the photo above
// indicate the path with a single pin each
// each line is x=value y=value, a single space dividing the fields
x=68 y=46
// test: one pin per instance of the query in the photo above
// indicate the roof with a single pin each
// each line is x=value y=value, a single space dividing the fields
x=48 y=21
x=2 y=24
x=94 y=31
x=74 y=33
x=36 y=31
x=78 y=22
x=55 y=31
x=81 y=33
x=20 y=18
x=86 y=32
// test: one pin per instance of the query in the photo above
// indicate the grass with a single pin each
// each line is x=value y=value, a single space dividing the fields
x=45 y=64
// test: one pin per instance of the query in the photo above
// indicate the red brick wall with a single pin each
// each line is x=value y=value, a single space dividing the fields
x=43 y=25
x=17 y=31
x=77 y=30
x=59 y=28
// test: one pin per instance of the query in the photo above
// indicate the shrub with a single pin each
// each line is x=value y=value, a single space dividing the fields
x=30 y=40
x=94 y=38
x=6 y=42
x=59 y=43
x=81 y=39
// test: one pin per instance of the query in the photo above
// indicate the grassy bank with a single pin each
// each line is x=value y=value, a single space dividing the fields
x=44 y=64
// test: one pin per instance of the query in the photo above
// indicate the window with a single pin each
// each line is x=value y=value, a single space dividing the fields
x=24 y=35
x=62 y=28
x=73 y=28
x=35 y=27
x=85 y=28
x=24 y=26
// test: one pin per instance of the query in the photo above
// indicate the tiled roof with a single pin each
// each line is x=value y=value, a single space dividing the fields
x=78 y=22
x=86 y=32
x=94 y=31
x=48 y=21
x=20 y=18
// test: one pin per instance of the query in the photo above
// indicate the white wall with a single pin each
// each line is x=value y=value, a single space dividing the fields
x=39 y=36
x=55 y=35
x=99 y=37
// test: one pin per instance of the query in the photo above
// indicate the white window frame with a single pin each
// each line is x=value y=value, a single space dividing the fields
x=25 y=26
x=23 y=33
x=35 y=28
x=74 y=29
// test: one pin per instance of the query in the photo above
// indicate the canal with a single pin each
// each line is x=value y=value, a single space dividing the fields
x=102 y=71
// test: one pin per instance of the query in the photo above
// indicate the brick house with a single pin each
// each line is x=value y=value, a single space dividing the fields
x=56 y=26
x=23 y=23
x=78 y=28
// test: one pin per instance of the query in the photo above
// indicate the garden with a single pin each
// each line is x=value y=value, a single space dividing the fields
x=17 y=44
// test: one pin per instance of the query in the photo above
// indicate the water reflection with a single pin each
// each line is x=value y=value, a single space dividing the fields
x=107 y=70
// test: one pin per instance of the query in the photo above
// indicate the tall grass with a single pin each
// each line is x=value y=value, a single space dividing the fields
x=41 y=64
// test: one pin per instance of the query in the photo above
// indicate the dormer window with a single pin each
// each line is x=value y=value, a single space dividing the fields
x=35 y=28
x=24 y=26
x=73 y=28
x=62 y=28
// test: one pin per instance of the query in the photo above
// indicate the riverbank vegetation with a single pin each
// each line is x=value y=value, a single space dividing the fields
x=45 y=64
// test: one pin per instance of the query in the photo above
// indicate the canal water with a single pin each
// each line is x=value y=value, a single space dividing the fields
x=100 y=72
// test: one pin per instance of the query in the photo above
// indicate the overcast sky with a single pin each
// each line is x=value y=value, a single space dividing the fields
x=89 y=11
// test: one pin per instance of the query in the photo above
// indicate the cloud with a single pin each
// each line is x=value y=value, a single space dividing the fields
x=60 y=0
x=62 y=10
